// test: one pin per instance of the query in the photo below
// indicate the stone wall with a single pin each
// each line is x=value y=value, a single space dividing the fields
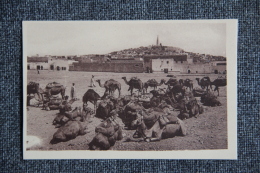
x=136 y=67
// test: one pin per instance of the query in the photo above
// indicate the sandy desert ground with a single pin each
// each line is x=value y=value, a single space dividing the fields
x=208 y=131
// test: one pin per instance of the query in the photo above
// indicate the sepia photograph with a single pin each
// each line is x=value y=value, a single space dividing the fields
x=129 y=89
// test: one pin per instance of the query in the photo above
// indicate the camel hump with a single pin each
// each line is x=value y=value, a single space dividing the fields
x=112 y=80
x=172 y=79
x=53 y=84
x=152 y=81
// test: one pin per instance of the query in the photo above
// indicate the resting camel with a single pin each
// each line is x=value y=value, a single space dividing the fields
x=204 y=82
x=134 y=82
x=54 y=88
x=110 y=85
x=34 y=88
x=151 y=83
x=107 y=133
x=176 y=92
x=69 y=131
x=129 y=113
x=209 y=99
x=92 y=97
x=104 y=109
x=161 y=129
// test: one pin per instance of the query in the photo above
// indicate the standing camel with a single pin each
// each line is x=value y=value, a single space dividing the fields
x=54 y=89
x=151 y=83
x=92 y=97
x=134 y=83
x=110 y=85
x=181 y=82
x=171 y=82
x=218 y=83
x=188 y=83
x=204 y=82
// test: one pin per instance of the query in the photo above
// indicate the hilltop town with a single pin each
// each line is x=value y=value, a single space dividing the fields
x=148 y=59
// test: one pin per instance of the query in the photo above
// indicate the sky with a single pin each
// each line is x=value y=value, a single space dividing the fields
x=102 y=37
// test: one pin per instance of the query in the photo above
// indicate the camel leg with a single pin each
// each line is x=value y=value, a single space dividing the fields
x=119 y=92
x=158 y=136
x=217 y=88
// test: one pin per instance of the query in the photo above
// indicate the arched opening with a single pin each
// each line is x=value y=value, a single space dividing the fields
x=189 y=71
x=41 y=67
x=216 y=71
x=58 y=68
x=51 y=67
x=38 y=67
x=28 y=67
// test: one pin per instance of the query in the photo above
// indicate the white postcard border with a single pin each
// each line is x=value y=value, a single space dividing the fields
x=230 y=153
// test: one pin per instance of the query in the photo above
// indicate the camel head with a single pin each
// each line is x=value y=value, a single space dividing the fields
x=98 y=80
x=124 y=78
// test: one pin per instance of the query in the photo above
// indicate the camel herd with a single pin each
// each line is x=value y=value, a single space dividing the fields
x=154 y=116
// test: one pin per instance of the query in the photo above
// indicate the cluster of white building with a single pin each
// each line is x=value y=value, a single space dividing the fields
x=48 y=63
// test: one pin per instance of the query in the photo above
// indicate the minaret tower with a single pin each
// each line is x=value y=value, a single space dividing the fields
x=157 y=41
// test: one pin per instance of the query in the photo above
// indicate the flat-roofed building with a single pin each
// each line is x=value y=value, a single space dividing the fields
x=37 y=63
x=165 y=63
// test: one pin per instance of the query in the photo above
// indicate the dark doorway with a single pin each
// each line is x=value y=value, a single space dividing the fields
x=166 y=70
x=216 y=72
x=28 y=67
x=38 y=67
x=52 y=67
x=147 y=70
x=189 y=71
x=58 y=68
x=41 y=67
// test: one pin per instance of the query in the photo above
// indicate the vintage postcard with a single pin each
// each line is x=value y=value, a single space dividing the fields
x=130 y=89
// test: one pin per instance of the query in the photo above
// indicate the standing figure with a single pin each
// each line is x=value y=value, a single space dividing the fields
x=92 y=82
x=73 y=92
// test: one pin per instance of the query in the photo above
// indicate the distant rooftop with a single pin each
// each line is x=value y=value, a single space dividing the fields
x=37 y=59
